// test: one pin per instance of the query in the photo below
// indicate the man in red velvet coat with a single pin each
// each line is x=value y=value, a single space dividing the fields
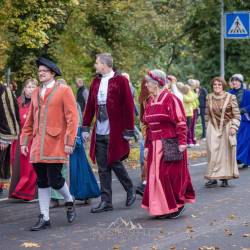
x=110 y=102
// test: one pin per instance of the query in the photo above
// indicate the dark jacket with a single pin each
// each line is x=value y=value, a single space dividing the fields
x=202 y=98
x=82 y=97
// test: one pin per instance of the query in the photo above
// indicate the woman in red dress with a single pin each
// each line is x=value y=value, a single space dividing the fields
x=169 y=184
x=23 y=180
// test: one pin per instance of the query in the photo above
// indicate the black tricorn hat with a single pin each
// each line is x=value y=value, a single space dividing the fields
x=49 y=64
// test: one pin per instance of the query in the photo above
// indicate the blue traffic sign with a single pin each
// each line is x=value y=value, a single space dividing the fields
x=237 y=25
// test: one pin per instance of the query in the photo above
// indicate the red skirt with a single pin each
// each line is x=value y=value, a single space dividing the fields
x=24 y=185
x=169 y=184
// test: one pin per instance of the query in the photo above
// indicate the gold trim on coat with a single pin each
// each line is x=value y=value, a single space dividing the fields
x=7 y=113
x=13 y=109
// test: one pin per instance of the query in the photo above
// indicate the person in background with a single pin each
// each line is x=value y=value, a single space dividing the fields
x=174 y=87
x=133 y=92
x=223 y=120
x=23 y=179
x=9 y=130
x=83 y=184
x=188 y=98
x=243 y=135
x=202 y=93
x=144 y=95
x=82 y=93
x=195 y=106
x=111 y=102
x=169 y=185
x=13 y=87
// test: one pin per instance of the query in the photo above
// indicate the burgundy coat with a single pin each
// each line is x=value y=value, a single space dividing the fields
x=120 y=108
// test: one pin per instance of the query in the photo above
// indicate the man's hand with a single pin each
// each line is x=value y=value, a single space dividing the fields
x=3 y=146
x=232 y=131
x=68 y=149
x=24 y=150
x=85 y=136
x=182 y=148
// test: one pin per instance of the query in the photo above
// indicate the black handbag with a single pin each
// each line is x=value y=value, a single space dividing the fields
x=171 y=150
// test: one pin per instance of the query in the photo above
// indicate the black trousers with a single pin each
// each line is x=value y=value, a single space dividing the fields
x=203 y=123
x=49 y=175
x=104 y=170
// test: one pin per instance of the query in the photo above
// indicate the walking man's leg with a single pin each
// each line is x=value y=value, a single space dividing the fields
x=44 y=192
x=125 y=180
x=58 y=183
x=104 y=172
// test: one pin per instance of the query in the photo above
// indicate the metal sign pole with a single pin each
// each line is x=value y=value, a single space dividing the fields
x=222 y=47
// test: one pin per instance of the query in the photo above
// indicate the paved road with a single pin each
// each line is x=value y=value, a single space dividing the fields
x=219 y=218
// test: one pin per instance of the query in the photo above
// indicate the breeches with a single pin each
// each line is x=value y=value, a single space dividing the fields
x=49 y=175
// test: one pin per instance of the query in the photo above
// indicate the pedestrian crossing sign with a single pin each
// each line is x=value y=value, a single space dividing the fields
x=237 y=25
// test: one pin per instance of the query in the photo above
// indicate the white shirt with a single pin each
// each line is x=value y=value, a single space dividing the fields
x=47 y=86
x=102 y=128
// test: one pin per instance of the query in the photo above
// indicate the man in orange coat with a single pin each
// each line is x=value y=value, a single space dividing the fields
x=52 y=124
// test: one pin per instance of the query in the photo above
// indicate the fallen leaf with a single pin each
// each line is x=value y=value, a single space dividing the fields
x=209 y=248
x=246 y=235
x=30 y=245
x=116 y=247
x=189 y=229
x=193 y=216
x=154 y=247
x=173 y=248
x=232 y=217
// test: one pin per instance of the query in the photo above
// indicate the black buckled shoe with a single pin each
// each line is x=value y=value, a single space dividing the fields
x=131 y=197
x=41 y=224
x=71 y=211
x=224 y=183
x=103 y=206
x=140 y=189
x=211 y=183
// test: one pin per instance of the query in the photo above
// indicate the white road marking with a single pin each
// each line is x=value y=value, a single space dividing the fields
x=199 y=164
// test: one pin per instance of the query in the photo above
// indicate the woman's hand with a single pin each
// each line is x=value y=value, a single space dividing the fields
x=232 y=131
x=24 y=150
x=182 y=148
x=145 y=153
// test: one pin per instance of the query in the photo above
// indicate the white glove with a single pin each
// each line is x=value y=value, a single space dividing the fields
x=85 y=136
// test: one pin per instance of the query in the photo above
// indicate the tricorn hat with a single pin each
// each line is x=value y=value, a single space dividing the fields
x=49 y=64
